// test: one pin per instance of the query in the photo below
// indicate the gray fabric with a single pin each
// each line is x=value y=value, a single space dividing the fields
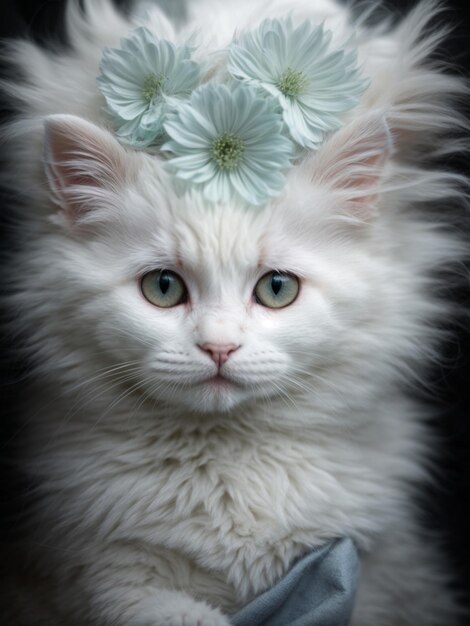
x=318 y=591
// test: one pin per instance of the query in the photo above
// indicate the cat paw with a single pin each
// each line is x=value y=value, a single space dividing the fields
x=182 y=612
x=195 y=618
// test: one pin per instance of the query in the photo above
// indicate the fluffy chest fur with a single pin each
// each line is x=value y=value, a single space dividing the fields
x=230 y=501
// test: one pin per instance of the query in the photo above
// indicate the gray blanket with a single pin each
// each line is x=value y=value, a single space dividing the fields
x=318 y=591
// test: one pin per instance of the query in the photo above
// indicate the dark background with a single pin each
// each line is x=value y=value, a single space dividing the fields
x=447 y=504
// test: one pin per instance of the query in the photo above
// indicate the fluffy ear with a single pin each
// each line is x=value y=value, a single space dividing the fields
x=85 y=166
x=353 y=161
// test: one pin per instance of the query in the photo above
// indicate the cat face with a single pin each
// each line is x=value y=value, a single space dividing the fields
x=219 y=344
x=205 y=307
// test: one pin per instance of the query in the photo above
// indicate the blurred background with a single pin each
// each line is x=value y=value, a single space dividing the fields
x=446 y=505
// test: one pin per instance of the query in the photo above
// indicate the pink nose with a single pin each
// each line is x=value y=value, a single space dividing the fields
x=219 y=352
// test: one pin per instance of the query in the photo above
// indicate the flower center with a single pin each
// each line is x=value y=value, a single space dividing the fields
x=291 y=82
x=151 y=87
x=227 y=151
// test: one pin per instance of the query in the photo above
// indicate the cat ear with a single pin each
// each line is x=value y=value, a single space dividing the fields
x=353 y=161
x=85 y=166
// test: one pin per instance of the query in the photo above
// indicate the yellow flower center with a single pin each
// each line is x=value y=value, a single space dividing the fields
x=151 y=87
x=227 y=150
x=292 y=82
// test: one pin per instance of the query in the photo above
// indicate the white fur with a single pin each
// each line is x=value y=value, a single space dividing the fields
x=160 y=494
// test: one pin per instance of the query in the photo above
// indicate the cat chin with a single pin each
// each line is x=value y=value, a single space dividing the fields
x=210 y=397
x=214 y=397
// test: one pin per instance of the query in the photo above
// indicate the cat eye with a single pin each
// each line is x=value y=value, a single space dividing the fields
x=276 y=290
x=164 y=288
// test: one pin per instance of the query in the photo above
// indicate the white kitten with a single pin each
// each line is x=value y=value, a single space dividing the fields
x=166 y=494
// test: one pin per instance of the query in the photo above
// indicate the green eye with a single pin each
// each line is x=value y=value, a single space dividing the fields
x=164 y=288
x=276 y=290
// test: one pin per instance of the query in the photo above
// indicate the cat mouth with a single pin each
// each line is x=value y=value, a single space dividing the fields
x=220 y=381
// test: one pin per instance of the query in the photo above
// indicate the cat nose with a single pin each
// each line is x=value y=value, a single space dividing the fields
x=219 y=352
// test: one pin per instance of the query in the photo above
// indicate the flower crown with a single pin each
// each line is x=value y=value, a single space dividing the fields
x=282 y=93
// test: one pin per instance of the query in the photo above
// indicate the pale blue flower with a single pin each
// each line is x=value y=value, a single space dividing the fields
x=312 y=83
x=142 y=81
x=228 y=142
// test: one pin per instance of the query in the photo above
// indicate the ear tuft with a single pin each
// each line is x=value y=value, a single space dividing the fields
x=353 y=161
x=84 y=165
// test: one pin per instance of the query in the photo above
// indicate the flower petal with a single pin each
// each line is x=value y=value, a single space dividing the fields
x=236 y=119
x=296 y=65
x=138 y=110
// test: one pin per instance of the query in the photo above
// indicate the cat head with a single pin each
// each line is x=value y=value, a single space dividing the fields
x=207 y=306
